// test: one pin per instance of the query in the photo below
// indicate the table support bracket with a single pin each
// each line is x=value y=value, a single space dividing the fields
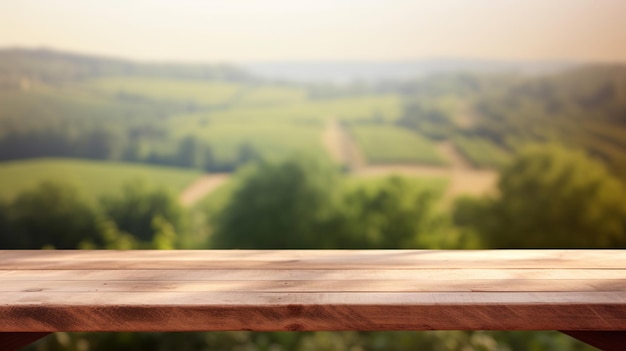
x=16 y=341
x=607 y=340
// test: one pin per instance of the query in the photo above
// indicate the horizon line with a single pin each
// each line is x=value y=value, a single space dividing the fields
x=433 y=58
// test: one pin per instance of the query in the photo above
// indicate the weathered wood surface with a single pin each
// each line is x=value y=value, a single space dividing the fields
x=46 y=291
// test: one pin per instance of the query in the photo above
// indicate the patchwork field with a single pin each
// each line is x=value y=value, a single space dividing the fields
x=93 y=178
x=481 y=152
x=384 y=144
x=275 y=128
x=309 y=112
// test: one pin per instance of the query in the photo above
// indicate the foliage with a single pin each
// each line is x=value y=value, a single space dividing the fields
x=147 y=214
x=112 y=238
x=279 y=205
x=550 y=197
x=326 y=341
x=299 y=203
x=53 y=214
x=393 y=213
x=582 y=108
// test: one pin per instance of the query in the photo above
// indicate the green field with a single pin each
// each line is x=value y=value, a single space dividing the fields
x=46 y=103
x=200 y=93
x=312 y=112
x=481 y=152
x=73 y=106
x=268 y=95
x=276 y=129
x=93 y=178
x=389 y=144
x=269 y=139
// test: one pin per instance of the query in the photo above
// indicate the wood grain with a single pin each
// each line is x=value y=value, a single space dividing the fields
x=47 y=291
x=303 y=286
x=311 y=259
x=312 y=275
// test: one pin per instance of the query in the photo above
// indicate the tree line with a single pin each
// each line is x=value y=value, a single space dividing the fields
x=55 y=215
x=548 y=196
x=101 y=143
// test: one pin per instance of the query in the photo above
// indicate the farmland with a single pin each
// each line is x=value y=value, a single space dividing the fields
x=277 y=122
x=481 y=153
x=270 y=95
x=269 y=140
x=389 y=144
x=216 y=119
x=200 y=93
x=92 y=178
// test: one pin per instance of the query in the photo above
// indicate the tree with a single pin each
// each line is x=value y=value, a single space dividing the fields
x=280 y=205
x=247 y=152
x=300 y=203
x=51 y=214
x=395 y=213
x=98 y=144
x=137 y=208
x=208 y=159
x=189 y=153
x=551 y=197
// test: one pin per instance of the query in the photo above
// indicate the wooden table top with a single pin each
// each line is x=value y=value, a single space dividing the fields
x=44 y=291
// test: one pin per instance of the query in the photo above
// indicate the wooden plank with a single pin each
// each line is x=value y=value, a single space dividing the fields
x=186 y=311
x=604 y=340
x=467 y=285
x=16 y=341
x=312 y=290
x=184 y=299
x=321 y=259
x=309 y=274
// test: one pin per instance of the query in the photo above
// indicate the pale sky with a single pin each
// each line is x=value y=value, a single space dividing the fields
x=251 y=30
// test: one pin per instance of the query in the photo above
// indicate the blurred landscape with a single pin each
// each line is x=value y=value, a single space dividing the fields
x=340 y=142
x=116 y=154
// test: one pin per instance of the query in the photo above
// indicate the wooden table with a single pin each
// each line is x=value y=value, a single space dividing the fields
x=580 y=292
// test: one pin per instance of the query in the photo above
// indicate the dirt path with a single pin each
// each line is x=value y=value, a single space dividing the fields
x=454 y=157
x=462 y=181
x=465 y=178
x=202 y=187
x=341 y=147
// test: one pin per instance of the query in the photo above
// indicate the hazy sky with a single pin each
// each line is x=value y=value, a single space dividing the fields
x=244 y=30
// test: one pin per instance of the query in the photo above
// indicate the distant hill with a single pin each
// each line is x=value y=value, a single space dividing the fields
x=49 y=66
x=52 y=66
x=216 y=118
x=583 y=108
x=349 y=71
